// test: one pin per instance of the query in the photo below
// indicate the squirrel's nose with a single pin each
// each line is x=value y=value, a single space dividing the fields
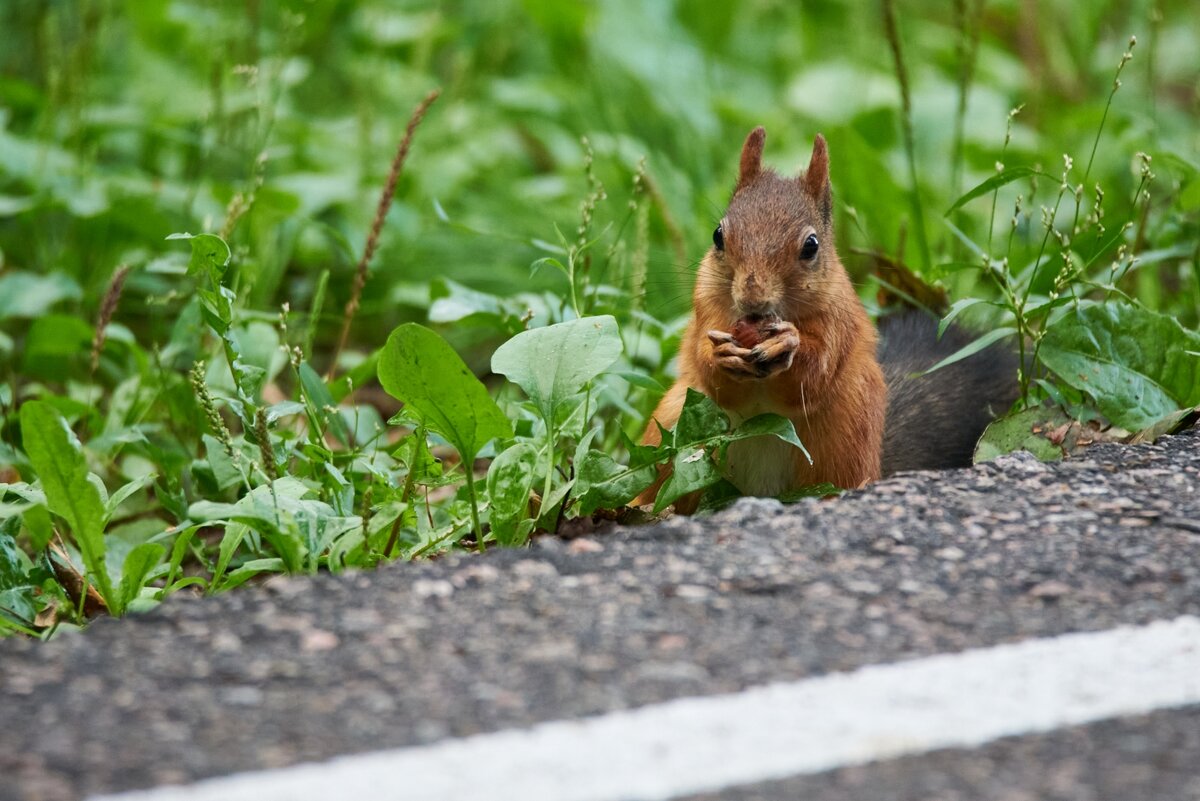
x=755 y=308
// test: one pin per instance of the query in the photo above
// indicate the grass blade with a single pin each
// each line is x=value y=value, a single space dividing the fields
x=972 y=348
x=995 y=182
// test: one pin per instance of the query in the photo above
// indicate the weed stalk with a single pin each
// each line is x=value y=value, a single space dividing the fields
x=893 y=37
x=108 y=308
x=385 y=203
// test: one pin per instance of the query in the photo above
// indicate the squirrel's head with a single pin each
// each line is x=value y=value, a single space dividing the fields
x=773 y=250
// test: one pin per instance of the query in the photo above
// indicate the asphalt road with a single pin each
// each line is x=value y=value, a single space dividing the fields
x=302 y=670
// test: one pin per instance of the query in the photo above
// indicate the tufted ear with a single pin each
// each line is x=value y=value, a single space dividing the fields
x=751 y=163
x=816 y=178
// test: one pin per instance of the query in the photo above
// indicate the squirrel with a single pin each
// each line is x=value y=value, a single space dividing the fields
x=778 y=327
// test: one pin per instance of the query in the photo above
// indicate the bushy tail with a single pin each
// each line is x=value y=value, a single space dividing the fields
x=934 y=421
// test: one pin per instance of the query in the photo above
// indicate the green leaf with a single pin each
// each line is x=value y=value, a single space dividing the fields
x=425 y=468
x=249 y=570
x=700 y=420
x=553 y=364
x=995 y=182
x=717 y=497
x=297 y=528
x=1023 y=431
x=321 y=404
x=692 y=469
x=772 y=425
x=210 y=255
x=640 y=455
x=973 y=347
x=126 y=492
x=234 y=535
x=452 y=302
x=56 y=346
x=810 y=491
x=278 y=411
x=225 y=470
x=178 y=551
x=509 y=482
x=641 y=380
x=138 y=564
x=40 y=527
x=14 y=565
x=548 y=513
x=57 y=458
x=602 y=482
x=30 y=496
x=958 y=307
x=1173 y=422
x=1130 y=360
x=29 y=295
x=420 y=369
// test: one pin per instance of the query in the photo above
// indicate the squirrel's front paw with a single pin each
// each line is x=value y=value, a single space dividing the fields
x=775 y=353
x=732 y=359
x=772 y=355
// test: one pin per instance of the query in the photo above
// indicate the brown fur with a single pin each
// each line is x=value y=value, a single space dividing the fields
x=817 y=368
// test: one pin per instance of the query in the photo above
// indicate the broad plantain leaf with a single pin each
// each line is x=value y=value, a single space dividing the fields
x=1132 y=361
x=554 y=363
x=420 y=369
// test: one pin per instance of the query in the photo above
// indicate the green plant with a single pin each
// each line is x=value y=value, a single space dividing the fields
x=226 y=390
x=1076 y=328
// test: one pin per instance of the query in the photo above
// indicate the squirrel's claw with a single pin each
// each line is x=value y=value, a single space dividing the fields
x=737 y=367
x=775 y=354
x=720 y=337
x=732 y=359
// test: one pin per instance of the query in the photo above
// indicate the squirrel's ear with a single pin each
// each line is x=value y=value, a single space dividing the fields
x=751 y=163
x=816 y=178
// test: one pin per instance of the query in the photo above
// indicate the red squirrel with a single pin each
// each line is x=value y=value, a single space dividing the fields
x=778 y=327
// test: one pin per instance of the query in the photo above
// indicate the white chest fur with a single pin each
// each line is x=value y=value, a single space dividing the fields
x=763 y=466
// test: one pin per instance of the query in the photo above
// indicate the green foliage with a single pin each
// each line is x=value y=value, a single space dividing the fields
x=601 y=482
x=593 y=142
x=1023 y=431
x=695 y=448
x=71 y=494
x=700 y=441
x=420 y=369
x=20 y=599
x=509 y=484
x=554 y=364
x=1139 y=366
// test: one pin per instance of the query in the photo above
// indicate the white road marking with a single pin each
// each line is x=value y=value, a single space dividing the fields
x=775 y=731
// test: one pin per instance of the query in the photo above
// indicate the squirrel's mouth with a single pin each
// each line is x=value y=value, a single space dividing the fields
x=757 y=315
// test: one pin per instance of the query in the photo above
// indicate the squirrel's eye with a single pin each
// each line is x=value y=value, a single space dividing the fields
x=719 y=238
x=809 y=249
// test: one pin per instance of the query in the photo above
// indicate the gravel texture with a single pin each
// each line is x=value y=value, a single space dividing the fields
x=308 y=668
